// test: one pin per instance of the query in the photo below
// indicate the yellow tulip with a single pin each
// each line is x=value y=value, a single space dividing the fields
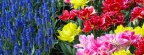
x=129 y=28
x=143 y=29
x=138 y=30
x=120 y=28
x=78 y=3
x=68 y=32
x=122 y=52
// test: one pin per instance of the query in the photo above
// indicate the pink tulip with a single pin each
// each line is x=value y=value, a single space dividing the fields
x=90 y=46
x=67 y=1
x=84 y=40
x=106 y=44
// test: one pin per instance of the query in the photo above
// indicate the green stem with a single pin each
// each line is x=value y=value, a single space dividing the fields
x=94 y=32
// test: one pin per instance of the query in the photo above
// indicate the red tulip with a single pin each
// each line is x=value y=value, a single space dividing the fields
x=139 y=47
x=140 y=2
x=87 y=26
x=85 y=13
x=67 y=15
x=137 y=13
x=115 y=5
x=91 y=24
x=111 y=7
x=109 y=18
x=103 y=22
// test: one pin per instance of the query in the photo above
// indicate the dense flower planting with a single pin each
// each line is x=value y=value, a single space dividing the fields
x=72 y=27
x=123 y=19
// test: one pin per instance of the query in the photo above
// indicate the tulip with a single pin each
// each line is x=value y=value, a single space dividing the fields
x=122 y=52
x=137 y=13
x=110 y=18
x=120 y=28
x=67 y=15
x=86 y=13
x=84 y=40
x=115 y=5
x=137 y=30
x=68 y=32
x=79 y=3
x=67 y=1
x=139 y=2
x=139 y=47
x=106 y=44
x=90 y=46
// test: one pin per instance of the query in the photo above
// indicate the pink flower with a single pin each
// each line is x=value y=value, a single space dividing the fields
x=130 y=37
x=80 y=52
x=106 y=44
x=67 y=1
x=90 y=46
x=100 y=48
x=84 y=40
x=121 y=40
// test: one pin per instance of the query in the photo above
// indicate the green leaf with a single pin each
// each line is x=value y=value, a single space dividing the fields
x=67 y=50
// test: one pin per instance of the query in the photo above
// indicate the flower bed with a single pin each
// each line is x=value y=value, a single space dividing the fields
x=71 y=27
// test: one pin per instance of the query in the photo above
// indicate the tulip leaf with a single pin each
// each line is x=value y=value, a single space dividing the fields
x=65 y=48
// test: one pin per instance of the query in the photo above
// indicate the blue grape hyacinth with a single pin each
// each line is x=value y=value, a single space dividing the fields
x=25 y=27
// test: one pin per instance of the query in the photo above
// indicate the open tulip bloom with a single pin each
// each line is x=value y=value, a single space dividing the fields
x=72 y=27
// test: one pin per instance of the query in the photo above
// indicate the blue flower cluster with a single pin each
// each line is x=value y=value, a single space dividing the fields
x=26 y=26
